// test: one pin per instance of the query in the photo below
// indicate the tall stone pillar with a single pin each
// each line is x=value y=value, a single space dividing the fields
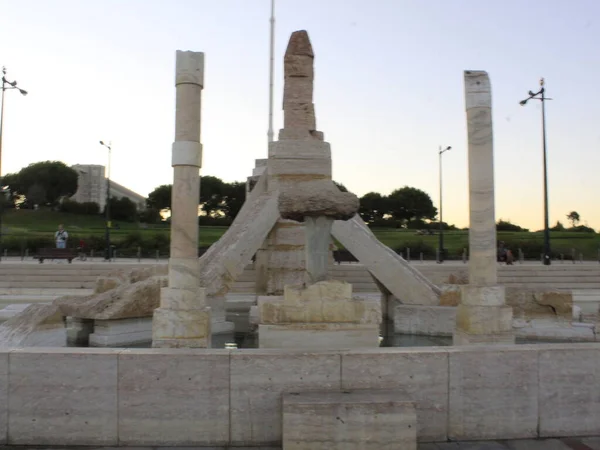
x=183 y=320
x=299 y=156
x=482 y=316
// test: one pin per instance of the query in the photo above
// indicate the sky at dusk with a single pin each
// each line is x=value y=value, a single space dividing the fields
x=388 y=91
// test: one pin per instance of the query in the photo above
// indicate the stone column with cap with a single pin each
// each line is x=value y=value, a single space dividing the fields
x=482 y=316
x=183 y=319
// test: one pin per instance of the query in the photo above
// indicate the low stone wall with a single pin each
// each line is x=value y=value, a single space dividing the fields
x=157 y=397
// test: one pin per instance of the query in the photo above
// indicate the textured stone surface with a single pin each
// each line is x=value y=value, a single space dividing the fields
x=569 y=390
x=421 y=374
x=538 y=303
x=483 y=319
x=323 y=302
x=450 y=295
x=118 y=277
x=405 y=282
x=319 y=336
x=345 y=420
x=174 y=397
x=63 y=397
x=121 y=332
x=299 y=150
x=37 y=325
x=315 y=199
x=126 y=301
x=482 y=316
x=493 y=393
x=3 y=396
x=259 y=377
x=190 y=327
x=424 y=320
x=226 y=259
x=482 y=224
x=318 y=251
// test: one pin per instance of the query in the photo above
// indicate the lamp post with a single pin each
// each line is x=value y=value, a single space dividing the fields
x=107 y=252
x=441 y=239
x=540 y=95
x=5 y=86
x=271 y=69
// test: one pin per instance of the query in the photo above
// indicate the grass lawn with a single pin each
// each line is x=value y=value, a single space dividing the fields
x=18 y=224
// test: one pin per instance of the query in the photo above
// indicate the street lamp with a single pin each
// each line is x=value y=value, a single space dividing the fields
x=441 y=241
x=540 y=95
x=107 y=252
x=5 y=86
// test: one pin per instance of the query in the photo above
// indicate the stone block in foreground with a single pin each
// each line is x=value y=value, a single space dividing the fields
x=341 y=420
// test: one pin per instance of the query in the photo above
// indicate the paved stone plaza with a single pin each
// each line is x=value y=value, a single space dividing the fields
x=589 y=443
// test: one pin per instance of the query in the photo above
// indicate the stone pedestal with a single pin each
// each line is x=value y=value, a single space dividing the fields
x=121 y=333
x=183 y=320
x=321 y=316
x=482 y=317
x=79 y=331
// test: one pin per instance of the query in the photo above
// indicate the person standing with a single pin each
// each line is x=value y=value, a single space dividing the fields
x=61 y=237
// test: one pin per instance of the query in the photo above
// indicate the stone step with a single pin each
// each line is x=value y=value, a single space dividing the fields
x=4 y=278
x=46 y=284
x=46 y=292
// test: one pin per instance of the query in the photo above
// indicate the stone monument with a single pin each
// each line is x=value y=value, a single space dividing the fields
x=183 y=319
x=482 y=316
x=299 y=157
x=313 y=312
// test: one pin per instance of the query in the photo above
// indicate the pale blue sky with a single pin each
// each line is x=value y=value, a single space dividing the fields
x=389 y=90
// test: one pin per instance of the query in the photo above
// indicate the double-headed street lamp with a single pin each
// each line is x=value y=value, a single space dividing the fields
x=107 y=252
x=441 y=241
x=540 y=95
x=6 y=85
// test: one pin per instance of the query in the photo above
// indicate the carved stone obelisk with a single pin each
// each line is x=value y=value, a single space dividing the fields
x=183 y=320
x=304 y=307
x=482 y=316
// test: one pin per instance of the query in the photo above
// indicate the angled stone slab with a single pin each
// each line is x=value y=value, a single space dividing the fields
x=258 y=190
x=230 y=254
x=406 y=283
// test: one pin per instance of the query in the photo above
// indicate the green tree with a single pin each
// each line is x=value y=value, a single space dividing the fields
x=373 y=206
x=340 y=186
x=507 y=225
x=408 y=203
x=234 y=196
x=54 y=177
x=36 y=195
x=212 y=190
x=160 y=198
x=122 y=209
x=574 y=218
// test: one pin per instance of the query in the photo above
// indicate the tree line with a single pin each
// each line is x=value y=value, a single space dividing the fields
x=50 y=184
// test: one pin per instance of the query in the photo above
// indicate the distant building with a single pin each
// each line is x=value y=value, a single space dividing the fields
x=91 y=187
